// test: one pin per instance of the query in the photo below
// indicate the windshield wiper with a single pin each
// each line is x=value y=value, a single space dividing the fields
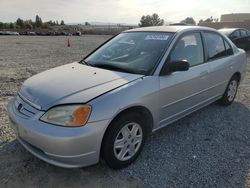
x=86 y=63
x=112 y=67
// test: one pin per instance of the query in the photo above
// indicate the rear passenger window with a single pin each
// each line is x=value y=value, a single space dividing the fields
x=215 y=45
x=235 y=34
x=243 y=33
x=189 y=48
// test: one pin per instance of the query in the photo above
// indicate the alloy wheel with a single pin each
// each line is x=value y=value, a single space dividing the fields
x=128 y=141
x=232 y=89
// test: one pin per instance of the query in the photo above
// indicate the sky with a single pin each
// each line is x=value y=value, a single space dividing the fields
x=118 y=11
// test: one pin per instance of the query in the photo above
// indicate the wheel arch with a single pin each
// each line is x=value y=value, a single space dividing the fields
x=142 y=110
x=238 y=75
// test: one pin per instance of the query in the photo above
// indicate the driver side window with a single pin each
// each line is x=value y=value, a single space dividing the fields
x=190 y=49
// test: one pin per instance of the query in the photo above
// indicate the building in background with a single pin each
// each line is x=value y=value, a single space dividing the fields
x=236 y=20
x=238 y=17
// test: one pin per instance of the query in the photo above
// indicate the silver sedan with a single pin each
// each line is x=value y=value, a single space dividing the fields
x=106 y=105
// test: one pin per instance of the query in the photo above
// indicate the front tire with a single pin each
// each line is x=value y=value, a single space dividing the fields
x=124 y=140
x=231 y=91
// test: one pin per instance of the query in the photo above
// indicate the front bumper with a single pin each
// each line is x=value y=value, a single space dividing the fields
x=61 y=146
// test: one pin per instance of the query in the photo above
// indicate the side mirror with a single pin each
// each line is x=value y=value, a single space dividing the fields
x=175 y=66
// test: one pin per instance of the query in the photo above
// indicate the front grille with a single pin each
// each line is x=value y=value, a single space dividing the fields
x=24 y=108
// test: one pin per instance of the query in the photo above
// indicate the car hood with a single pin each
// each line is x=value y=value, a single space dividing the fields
x=71 y=83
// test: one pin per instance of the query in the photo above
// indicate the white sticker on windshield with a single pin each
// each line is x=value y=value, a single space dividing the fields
x=156 y=37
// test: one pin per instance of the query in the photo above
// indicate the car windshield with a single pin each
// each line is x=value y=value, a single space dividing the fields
x=132 y=52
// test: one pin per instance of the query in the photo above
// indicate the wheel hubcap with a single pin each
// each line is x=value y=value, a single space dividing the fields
x=128 y=141
x=232 y=89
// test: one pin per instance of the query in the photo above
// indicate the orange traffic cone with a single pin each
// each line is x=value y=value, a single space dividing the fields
x=68 y=43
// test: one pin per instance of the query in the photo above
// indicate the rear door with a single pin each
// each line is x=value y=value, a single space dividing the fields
x=182 y=92
x=221 y=62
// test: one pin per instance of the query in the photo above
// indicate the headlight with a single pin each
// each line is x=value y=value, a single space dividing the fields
x=68 y=115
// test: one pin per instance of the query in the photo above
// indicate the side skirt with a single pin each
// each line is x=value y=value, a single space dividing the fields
x=185 y=112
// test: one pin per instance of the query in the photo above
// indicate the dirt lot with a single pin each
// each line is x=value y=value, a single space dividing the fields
x=210 y=148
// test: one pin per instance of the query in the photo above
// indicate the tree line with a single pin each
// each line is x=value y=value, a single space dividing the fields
x=155 y=20
x=146 y=20
x=29 y=24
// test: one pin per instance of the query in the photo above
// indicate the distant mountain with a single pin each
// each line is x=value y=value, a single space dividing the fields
x=110 y=23
x=168 y=23
x=100 y=23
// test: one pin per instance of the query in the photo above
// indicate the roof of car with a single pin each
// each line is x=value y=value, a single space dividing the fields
x=228 y=31
x=171 y=28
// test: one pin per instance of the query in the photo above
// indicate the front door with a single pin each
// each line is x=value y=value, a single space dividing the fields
x=183 y=92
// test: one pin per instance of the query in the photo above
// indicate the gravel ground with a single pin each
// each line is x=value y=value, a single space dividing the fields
x=210 y=148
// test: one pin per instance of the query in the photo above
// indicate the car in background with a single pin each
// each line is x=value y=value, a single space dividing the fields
x=137 y=82
x=9 y=33
x=239 y=36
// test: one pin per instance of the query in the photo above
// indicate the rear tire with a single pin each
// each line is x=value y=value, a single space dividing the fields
x=124 y=140
x=231 y=91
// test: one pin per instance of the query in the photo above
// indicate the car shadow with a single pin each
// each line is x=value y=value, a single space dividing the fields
x=209 y=148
